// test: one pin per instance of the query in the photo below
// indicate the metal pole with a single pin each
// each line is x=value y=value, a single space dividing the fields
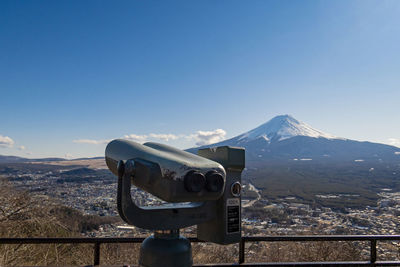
x=373 y=251
x=96 y=255
x=241 y=251
x=166 y=248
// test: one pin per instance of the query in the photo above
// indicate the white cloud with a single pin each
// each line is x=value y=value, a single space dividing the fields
x=397 y=153
x=164 y=137
x=6 y=141
x=144 y=137
x=136 y=138
x=394 y=141
x=68 y=156
x=208 y=137
x=21 y=148
x=28 y=153
x=200 y=137
x=91 y=141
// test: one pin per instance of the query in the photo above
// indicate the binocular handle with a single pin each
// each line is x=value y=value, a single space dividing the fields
x=164 y=217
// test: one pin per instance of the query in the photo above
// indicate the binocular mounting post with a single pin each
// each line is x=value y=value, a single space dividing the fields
x=217 y=220
x=165 y=247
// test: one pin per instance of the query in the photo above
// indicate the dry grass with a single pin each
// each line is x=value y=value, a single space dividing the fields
x=24 y=216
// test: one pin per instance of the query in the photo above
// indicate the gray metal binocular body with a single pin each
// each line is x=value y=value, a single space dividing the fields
x=168 y=173
x=211 y=183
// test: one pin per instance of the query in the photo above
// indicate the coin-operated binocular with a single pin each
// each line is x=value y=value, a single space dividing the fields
x=203 y=190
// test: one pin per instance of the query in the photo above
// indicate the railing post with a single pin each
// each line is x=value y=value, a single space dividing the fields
x=373 y=251
x=241 y=251
x=96 y=255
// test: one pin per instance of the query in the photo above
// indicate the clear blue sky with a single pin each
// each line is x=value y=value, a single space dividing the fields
x=79 y=72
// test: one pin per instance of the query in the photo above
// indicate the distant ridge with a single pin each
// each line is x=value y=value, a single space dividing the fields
x=11 y=159
x=15 y=159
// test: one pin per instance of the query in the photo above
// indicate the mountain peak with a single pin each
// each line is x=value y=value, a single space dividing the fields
x=264 y=144
x=283 y=119
x=283 y=127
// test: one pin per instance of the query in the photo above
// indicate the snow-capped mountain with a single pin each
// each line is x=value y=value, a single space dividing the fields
x=285 y=138
x=281 y=128
x=288 y=158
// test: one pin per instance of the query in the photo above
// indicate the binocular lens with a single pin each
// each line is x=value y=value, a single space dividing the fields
x=214 y=181
x=194 y=181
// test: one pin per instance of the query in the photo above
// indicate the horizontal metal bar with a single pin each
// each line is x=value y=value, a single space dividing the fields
x=80 y=240
x=90 y=240
x=63 y=240
x=321 y=238
x=327 y=263
x=324 y=263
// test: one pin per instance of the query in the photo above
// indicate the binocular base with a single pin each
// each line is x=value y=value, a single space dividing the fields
x=166 y=248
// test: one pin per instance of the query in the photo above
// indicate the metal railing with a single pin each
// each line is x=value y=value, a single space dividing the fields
x=372 y=239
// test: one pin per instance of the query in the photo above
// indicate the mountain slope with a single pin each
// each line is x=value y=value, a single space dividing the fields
x=285 y=138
